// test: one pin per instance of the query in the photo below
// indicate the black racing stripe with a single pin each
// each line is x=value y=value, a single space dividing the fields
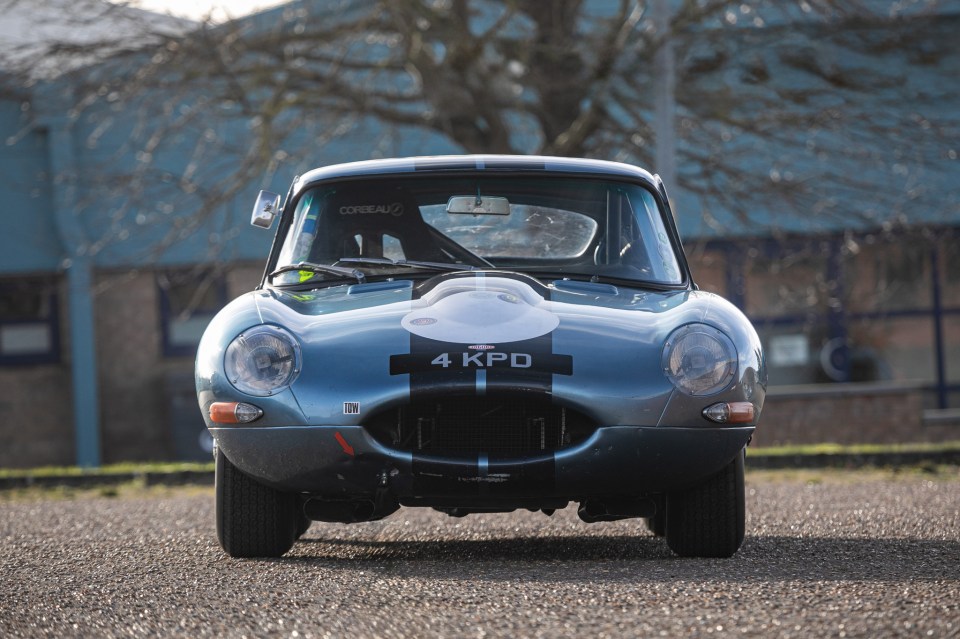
x=430 y=164
x=537 y=378
x=514 y=165
x=430 y=379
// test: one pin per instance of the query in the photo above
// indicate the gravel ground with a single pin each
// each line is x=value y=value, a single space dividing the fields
x=846 y=555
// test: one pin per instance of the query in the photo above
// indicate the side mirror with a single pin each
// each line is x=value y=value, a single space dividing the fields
x=266 y=208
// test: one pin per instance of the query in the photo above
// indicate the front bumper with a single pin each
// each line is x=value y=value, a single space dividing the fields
x=344 y=462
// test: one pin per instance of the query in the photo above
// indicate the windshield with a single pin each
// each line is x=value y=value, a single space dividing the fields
x=544 y=226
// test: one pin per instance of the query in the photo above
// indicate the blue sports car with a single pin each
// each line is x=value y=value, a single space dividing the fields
x=478 y=334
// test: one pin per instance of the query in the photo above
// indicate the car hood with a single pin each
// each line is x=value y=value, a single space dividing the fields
x=501 y=307
x=374 y=346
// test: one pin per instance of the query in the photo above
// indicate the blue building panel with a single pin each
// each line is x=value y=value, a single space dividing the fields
x=29 y=242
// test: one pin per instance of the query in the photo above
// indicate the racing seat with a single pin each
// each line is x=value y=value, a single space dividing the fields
x=361 y=223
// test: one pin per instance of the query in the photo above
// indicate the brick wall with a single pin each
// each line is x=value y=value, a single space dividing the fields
x=883 y=413
x=243 y=278
x=142 y=391
x=37 y=417
x=36 y=408
x=131 y=368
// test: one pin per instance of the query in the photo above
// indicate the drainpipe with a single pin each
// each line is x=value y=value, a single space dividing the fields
x=939 y=340
x=664 y=82
x=79 y=269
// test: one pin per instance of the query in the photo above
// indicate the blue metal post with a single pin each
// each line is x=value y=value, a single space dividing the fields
x=79 y=269
x=86 y=405
x=664 y=87
x=939 y=343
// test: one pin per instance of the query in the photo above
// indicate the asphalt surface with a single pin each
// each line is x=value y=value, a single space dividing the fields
x=851 y=555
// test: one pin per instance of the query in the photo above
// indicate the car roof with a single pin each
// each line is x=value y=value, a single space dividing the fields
x=471 y=163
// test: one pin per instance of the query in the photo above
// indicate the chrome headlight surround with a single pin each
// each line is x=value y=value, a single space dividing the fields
x=262 y=360
x=699 y=360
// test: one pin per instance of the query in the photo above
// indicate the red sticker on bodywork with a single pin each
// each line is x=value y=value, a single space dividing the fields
x=347 y=448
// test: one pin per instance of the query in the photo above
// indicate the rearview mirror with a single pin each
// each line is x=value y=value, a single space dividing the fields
x=266 y=208
x=476 y=205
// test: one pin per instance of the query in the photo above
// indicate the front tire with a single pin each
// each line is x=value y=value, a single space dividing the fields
x=253 y=520
x=708 y=519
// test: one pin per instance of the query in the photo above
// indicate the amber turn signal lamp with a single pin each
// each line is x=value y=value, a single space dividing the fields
x=234 y=413
x=730 y=413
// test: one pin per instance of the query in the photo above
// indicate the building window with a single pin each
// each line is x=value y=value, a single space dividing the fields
x=188 y=301
x=29 y=321
x=789 y=290
x=949 y=293
x=900 y=348
x=889 y=276
x=854 y=308
x=709 y=267
x=786 y=280
x=798 y=351
x=950 y=270
x=951 y=339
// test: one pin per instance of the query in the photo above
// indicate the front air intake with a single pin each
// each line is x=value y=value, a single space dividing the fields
x=458 y=426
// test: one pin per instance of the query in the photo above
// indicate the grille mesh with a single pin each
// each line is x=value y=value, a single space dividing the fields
x=470 y=426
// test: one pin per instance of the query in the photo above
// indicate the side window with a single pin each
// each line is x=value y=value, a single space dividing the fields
x=296 y=247
x=392 y=248
x=188 y=301
x=663 y=259
x=29 y=321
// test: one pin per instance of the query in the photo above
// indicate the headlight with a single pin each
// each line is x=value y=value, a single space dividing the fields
x=699 y=359
x=262 y=360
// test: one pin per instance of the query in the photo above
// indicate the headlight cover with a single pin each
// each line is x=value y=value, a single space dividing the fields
x=262 y=360
x=699 y=360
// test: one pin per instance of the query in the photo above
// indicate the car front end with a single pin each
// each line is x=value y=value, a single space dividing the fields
x=476 y=335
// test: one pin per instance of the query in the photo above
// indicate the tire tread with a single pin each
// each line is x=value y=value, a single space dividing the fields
x=253 y=520
x=708 y=519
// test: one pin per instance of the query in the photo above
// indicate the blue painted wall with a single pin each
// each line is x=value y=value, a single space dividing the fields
x=29 y=240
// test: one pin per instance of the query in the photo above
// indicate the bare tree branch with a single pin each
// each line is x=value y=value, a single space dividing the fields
x=809 y=109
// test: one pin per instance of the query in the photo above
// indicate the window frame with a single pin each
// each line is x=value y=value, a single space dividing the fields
x=169 y=348
x=53 y=354
x=841 y=318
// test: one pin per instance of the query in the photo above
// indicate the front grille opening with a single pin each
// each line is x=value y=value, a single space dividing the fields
x=460 y=426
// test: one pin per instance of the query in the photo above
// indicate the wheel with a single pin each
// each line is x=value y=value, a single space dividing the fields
x=707 y=520
x=253 y=520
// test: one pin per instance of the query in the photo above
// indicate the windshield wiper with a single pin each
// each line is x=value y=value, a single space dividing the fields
x=434 y=266
x=599 y=278
x=324 y=269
